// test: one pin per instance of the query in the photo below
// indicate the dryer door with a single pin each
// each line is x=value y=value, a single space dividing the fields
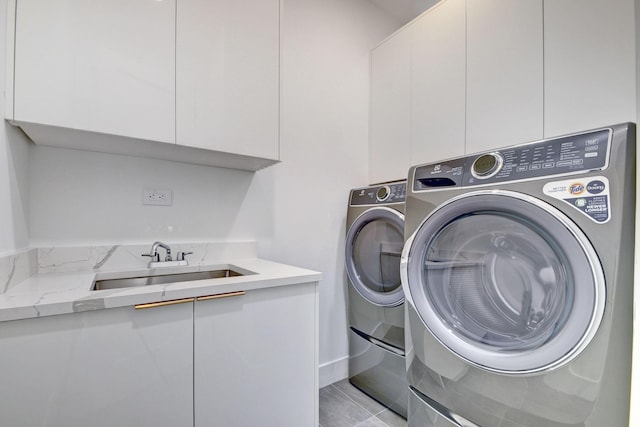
x=373 y=248
x=505 y=281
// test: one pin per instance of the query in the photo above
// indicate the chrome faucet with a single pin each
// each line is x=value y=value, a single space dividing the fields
x=168 y=260
x=154 y=250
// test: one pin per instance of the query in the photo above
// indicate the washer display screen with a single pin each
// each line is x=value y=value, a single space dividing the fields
x=485 y=164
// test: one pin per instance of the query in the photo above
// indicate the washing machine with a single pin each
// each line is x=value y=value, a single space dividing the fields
x=374 y=242
x=518 y=279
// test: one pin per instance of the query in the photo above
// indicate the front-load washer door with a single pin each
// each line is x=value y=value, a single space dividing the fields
x=505 y=281
x=373 y=249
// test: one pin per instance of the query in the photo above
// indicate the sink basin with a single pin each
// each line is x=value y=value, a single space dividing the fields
x=132 y=282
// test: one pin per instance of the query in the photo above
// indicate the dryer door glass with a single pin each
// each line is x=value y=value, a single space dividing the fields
x=373 y=248
x=506 y=282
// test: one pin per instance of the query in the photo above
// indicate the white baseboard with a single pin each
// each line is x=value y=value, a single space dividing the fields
x=334 y=371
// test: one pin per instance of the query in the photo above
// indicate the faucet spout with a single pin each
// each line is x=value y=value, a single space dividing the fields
x=168 y=260
x=156 y=245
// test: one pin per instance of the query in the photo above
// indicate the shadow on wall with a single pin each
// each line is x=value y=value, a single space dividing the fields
x=14 y=189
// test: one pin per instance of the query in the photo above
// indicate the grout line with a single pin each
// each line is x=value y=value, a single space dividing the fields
x=349 y=397
x=360 y=423
x=369 y=419
x=357 y=404
x=332 y=389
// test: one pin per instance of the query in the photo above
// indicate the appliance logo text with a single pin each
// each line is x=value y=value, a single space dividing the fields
x=595 y=187
x=576 y=188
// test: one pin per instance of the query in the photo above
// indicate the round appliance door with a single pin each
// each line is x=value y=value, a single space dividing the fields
x=505 y=281
x=373 y=249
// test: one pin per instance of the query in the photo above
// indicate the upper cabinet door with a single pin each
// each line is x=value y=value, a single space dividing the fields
x=504 y=73
x=390 y=119
x=227 y=72
x=104 y=66
x=589 y=64
x=438 y=83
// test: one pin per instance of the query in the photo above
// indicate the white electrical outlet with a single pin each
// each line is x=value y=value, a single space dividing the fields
x=156 y=197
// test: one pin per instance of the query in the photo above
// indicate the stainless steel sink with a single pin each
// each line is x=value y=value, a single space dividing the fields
x=132 y=282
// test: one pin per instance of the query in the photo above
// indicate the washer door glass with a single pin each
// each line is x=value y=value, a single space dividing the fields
x=506 y=281
x=373 y=249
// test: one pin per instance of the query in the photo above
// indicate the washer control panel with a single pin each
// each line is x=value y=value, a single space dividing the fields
x=383 y=193
x=558 y=156
x=487 y=165
x=379 y=194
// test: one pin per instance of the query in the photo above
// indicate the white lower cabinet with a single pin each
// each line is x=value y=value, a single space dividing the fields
x=114 y=367
x=256 y=358
x=236 y=359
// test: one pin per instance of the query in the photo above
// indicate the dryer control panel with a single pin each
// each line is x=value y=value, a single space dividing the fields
x=383 y=194
x=558 y=156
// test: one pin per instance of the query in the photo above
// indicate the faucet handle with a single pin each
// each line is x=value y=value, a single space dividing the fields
x=181 y=255
x=155 y=256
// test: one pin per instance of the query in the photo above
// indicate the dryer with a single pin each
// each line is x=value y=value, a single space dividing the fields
x=518 y=276
x=374 y=242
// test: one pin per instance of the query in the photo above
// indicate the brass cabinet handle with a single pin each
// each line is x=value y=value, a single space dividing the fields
x=224 y=295
x=163 y=303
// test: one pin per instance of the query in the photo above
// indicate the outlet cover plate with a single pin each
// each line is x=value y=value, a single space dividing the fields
x=157 y=197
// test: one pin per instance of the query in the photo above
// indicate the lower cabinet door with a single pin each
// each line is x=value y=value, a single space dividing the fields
x=256 y=358
x=115 y=367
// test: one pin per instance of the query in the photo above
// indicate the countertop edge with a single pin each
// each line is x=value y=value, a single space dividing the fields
x=66 y=293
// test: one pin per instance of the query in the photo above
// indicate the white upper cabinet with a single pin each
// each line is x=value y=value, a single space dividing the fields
x=504 y=73
x=589 y=64
x=438 y=83
x=486 y=74
x=193 y=81
x=105 y=66
x=390 y=115
x=228 y=76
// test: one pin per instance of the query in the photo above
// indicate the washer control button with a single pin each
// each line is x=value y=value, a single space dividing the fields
x=487 y=165
x=383 y=193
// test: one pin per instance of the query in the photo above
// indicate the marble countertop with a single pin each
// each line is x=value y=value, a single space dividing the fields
x=48 y=294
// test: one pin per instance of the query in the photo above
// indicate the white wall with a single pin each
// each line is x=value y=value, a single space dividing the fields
x=14 y=150
x=295 y=210
x=634 y=419
x=14 y=187
x=79 y=197
x=324 y=137
x=405 y=10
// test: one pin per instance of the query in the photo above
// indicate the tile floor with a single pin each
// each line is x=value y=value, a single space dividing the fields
x=343 y=405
